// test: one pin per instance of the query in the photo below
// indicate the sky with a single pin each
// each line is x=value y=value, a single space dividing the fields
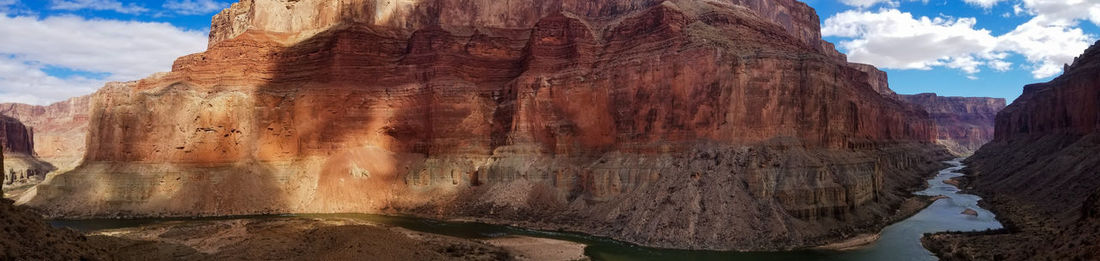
x=53 y=50
x=988 y=48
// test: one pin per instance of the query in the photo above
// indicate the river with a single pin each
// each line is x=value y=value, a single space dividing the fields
x=899 y=241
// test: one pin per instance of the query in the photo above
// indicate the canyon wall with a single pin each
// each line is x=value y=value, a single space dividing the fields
x=15 y=136
x=1040 y=173
x=60 y=129
x=18 y=144
x=878 y=80
x=689 y=123
x=963 y=124
x=304 y=18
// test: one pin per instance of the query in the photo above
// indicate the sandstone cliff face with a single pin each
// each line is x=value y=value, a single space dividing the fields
x=964 y=124
x=304 y=18
x=16 y=137
x=18 y=144
x=1040 y=172
x=878 y=80
x=60 y=129
x=691 y=124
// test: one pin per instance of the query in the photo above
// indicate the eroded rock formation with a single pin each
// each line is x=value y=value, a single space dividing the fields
x=15 y=136
x=18 y=145
x=878 y=80
x=963 y=124
x=1041 y=174
x=688 y=123
x=60 y=129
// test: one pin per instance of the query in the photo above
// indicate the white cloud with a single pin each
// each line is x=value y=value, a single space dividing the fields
x=116 y=50
x=100 y=5
x=987 y=4
x=194 y=7
x=1062 y=12
x=24 y=82
x=1047 y=47
x=5 y=5
x=965 y=63
x=868 y=3
x=893 y=39
x=1000 y=66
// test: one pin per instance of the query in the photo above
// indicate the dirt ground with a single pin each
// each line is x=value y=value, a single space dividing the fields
x=287 y=239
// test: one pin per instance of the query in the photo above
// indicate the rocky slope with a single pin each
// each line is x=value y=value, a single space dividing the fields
x=689 y=123
x=1040 y=174
x=60 y=129
x=24 y=236
x=963 y=124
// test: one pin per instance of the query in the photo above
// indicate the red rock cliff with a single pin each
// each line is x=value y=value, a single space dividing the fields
x=692 y=124
x=16 y=137
x=1042 y=173
x=964 y=124
x=18 y=144
x=60 y=129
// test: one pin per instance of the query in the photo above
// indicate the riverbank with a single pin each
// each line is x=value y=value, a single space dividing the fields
x=1031 y=231
x=908 y=209
x=521 y=242
x=535 y=248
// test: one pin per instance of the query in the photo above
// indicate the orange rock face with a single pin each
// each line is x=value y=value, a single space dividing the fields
x=964 y=124
x=60 y=129
x=692 y=124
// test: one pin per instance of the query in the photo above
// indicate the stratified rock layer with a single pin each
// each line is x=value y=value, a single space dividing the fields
x=964 y=124
x=18 y=145
x=1041 y=174
x=60 y=129
x=689 y=124
x=15 y=136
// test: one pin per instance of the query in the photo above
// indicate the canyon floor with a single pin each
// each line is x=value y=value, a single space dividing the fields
x=24 y=236
x=287 y=239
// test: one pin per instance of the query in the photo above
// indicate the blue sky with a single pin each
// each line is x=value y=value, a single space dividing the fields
x=1050 y=32
x=56 y=49
x=187 y=14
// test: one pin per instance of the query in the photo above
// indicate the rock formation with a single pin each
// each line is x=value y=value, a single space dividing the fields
x=1040 y=173
x=686 y=123
x=15 y=136
x=964 y=124
x=60 y=129
x=878 y=80
x=18 y=143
